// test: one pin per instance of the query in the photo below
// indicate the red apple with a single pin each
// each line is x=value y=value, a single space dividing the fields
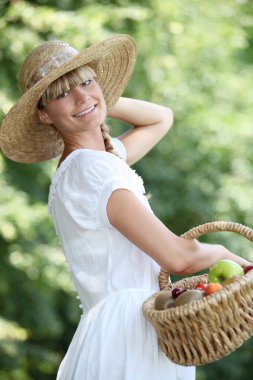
x=200 y=287
x=248 y=268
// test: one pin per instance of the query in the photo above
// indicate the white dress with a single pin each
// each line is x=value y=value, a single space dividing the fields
x=111 y=275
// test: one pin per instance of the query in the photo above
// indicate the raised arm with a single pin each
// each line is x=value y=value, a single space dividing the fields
x=174 y=254
x=150 y=123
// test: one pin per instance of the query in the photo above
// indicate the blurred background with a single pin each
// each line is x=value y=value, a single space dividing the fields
x=195 y=56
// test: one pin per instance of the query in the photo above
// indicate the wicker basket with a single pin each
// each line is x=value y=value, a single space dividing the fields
x=208 y=329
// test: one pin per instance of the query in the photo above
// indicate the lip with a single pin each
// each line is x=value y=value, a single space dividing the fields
x=85 y=112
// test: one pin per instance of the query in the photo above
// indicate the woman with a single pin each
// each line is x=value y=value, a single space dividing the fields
x=113 y=242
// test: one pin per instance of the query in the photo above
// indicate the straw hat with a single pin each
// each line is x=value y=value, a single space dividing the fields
x=23 y=137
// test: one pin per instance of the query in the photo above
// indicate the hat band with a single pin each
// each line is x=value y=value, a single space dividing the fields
x=52 y=63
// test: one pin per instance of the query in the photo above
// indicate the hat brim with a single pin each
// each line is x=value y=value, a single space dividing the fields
x=23 y=138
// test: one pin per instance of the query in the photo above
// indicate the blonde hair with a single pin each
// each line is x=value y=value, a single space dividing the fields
x=67 y=82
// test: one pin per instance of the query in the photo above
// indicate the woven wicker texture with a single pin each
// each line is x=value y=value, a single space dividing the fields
x=208 y=329
x=23 y=137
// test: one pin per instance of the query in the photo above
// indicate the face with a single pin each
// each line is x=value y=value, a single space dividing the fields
x=78 y=110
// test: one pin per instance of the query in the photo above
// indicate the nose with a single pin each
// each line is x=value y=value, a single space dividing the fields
x=80 y=95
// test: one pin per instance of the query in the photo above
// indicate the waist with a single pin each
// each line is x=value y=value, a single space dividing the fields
x=136 y=295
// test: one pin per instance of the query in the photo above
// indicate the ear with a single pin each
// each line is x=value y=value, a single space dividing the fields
x=44 y=117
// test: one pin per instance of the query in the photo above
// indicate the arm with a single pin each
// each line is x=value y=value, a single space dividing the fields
x=174 y=254
x=150 y=123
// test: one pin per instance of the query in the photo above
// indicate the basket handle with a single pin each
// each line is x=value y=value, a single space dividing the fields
x=195 y=232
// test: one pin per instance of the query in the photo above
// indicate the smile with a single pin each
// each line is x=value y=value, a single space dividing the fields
x=85 y=112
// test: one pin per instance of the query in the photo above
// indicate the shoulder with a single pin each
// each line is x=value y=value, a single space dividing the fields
x=86 y=163
x=83 y=175
x=87 y=178
x=92 y=169
x=87 y=160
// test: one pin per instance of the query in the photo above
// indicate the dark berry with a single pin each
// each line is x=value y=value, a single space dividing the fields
x=177 y=291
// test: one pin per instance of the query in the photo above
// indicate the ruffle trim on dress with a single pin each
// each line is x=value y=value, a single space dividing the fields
x=139 y=180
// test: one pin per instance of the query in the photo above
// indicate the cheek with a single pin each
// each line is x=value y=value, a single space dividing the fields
x=58 y=107
x=100 y=95
x=103 y=103
x=104 y=107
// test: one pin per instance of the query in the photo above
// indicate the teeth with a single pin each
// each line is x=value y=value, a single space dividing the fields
x=84 y=112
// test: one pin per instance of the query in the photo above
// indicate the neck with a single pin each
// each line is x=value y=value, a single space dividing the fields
x=92 y=141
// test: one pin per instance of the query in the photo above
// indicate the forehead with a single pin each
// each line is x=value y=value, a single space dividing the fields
x=75 y=77
x=67 y=82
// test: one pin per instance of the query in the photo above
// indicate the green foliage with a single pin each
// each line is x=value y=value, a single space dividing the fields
x=195 y=56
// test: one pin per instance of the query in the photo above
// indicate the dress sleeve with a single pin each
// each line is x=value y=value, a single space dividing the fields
x=99 y=175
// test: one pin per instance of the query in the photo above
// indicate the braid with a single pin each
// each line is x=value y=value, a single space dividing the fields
x=107 y=139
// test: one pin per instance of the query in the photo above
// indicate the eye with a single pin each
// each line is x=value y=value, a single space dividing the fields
x=63 y=95
x=86 y=83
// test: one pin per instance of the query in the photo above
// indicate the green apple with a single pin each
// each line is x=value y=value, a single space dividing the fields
x=224 y=269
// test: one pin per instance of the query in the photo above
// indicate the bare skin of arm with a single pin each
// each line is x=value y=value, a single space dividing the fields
x=174 y=254
x=150 y=124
